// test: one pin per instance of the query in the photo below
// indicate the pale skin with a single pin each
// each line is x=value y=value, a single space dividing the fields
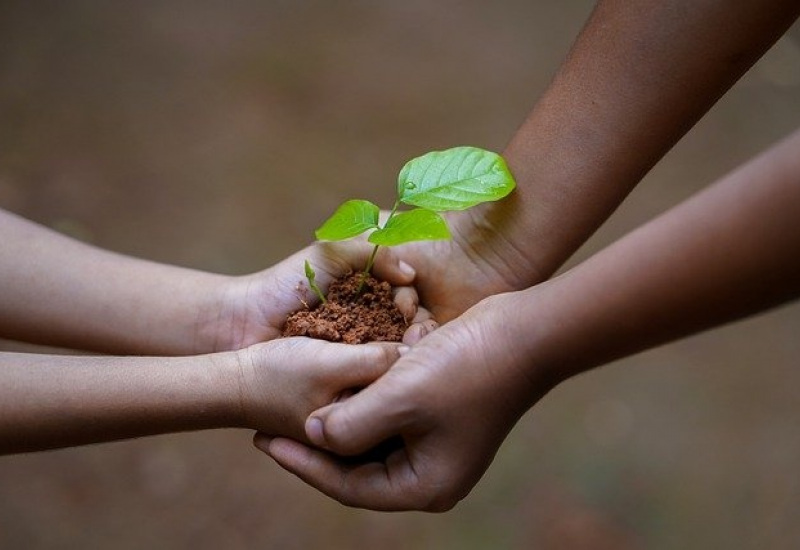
x=52 y=401
x=638 y=77
x=55 y=290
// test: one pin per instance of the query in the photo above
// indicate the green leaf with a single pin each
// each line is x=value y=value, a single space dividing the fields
x=312 y=283
x=419 y=224
x=455 y=179
x=350 y=219
x=310 y=274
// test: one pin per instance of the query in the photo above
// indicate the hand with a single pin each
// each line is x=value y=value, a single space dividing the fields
x=452 y=399
x=283 y=381
x=454 y=275
x=253 y=308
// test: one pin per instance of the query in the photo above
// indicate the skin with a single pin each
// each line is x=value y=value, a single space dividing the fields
x=637 y=78
x=60 y=401
x=724 y=254
x=58 y=291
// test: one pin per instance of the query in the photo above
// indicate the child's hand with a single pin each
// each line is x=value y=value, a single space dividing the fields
x=283 y=381
x=253 y=308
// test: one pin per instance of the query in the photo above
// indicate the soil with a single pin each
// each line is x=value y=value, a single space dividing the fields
x=351 y=316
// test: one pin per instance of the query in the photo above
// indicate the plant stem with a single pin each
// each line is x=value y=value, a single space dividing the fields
x=371 y=260
x=318 y=292
x=369 y=263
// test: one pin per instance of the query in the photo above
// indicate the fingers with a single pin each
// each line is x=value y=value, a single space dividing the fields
x=333 y=259
x=419 y=330
x=422 y=322
x=332 y=364
x=358 y=424
x=387 y=487
x=407 y=301
x=389 y=267
x=359 y=366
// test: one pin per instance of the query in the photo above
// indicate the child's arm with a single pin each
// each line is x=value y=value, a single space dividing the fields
x=50 y=401
x=728 y=252
x=55 y=290
x=58 y=291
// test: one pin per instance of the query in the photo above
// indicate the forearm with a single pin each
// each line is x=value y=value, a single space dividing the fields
x=57 y=401
x=637 y=78
x=57 y=291
x=727 y=253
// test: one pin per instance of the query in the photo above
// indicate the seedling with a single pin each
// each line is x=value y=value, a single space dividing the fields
x=439 y=181
x=312 y=282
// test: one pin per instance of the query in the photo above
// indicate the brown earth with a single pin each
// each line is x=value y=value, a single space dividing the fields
x=352 y=314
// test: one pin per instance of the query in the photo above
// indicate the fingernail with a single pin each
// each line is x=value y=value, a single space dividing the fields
x=402 y=350
x=423 y=330
x=412 y=335
x=406 y=269
x=315 y=431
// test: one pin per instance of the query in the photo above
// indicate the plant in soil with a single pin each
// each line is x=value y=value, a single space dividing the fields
x=360 y=308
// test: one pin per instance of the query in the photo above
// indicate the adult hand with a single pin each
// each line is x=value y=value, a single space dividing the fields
x=479 y=261
x=452 y=399
x=454 y=396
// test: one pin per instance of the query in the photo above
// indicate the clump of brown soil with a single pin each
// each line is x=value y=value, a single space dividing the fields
x=351 y=316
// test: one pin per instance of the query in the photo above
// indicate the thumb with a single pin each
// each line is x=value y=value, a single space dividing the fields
x=353 y=426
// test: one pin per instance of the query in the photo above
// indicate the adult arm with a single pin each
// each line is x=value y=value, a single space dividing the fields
x=729 y=252
x=637 y=78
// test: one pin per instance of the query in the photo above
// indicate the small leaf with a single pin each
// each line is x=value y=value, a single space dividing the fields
x=310 y=274
x=419 y=224
x=350 y=219
x=455 y=179
x=312 y=283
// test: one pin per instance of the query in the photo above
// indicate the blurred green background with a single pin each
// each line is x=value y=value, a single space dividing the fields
x=217 y=135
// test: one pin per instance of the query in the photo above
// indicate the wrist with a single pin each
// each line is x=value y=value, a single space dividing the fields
x=216 y=314
x=256 y=403
x=223 y=379
x=494 y=238
x=558 y=332
x=532 y=346
x=504 y=337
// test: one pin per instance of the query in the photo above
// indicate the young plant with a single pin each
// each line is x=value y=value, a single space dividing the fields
x=439 y=181
x=312 y=282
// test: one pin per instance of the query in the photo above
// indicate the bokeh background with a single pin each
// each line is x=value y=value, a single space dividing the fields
x=217 y=135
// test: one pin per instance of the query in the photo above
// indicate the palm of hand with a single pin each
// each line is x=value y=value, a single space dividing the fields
x=255 y=307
